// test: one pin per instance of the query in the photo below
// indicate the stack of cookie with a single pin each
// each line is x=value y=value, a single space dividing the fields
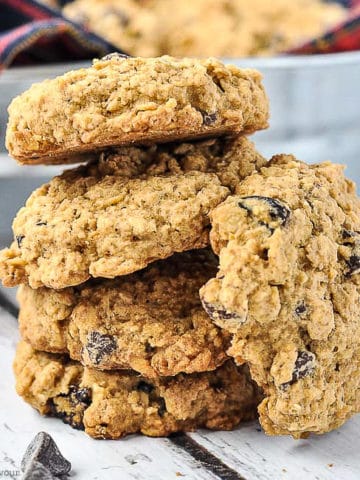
x=111 y=256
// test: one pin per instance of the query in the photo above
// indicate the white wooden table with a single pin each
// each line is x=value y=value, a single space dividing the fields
x=246 y=453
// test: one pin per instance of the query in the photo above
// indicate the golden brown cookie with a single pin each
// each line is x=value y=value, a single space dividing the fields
x=112 y=405
x=222 y=28
x=235 y=29
x=94 y=221
x=150 y=321
x=288 y=290
x=130 y=25
x=122 y=100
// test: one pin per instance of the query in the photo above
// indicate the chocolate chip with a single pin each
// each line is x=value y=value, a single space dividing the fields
x=162 y=407
x=149 y=348
x=300 y=309
x=72 y=418
x=217 y=385
x=44 y=451
x=37 y=471
x=304 y=366
x=83 y=396
x=276 y=209
x=144 y=387
x=115 y=56
x=347 y=234
x=354 y=264
x=217 y=313
x=99 y=346
x=70 y=406
x=40 y=224
x=208 y=118
x=19 y=239
x=78 y=395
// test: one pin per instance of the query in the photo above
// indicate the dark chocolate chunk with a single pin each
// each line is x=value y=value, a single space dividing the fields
x=83 y=396
x=277 y=210
x=162 y=407
x=115 y=56
x=217 y=385
x=216 y=313
x=300 y=309
x=37 y=471
x=149 y=348
x=40 y=224
x=144 y=387
x=349 y=237
x=99 y=346
x=304 y=366
x=354 y=264
x=43 y=450
x=70 y=406
x=72 y=418
x=19 y=239
x=208 y=118
x=346 y=234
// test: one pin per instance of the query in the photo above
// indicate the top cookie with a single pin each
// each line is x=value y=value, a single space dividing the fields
x=288 y=289
x=120 y=101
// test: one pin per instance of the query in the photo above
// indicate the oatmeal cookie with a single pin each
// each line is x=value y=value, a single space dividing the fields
x=222 y=28
x=129 y=25
x=94 y=221
x=112 y=405
x=288 y=291
x=233 y=28
x=150 y=321
x=122 y=100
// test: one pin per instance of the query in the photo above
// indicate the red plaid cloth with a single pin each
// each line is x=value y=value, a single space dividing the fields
x=33 y=33
x=343 y=38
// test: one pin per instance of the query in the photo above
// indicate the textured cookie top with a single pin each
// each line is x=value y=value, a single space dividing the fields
x=94 y=221
x=111 y=405
x=223 y=28
x=288 y=290
x=151 y=321
x=121 y=101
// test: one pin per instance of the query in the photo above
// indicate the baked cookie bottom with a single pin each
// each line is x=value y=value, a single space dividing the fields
x=112 y=405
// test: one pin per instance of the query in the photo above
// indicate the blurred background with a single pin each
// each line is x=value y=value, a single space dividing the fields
x=307 y=50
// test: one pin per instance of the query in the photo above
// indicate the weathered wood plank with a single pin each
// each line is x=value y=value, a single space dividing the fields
x=211 y=462
x=256 y=456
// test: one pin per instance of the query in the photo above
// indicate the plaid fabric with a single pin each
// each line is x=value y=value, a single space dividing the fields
x=32 y=33
x=343 y=38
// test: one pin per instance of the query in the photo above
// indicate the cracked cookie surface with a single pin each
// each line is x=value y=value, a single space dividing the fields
x=95 y=221
x=150 y=321
x=288 y=291
x=122 y=100
x=112 y=405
